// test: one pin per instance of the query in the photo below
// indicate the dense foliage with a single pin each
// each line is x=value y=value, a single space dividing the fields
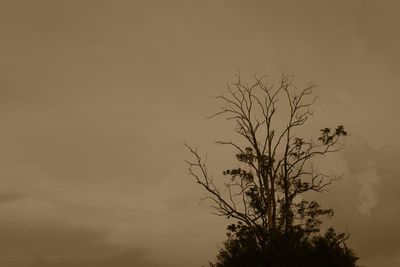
x=294 y=248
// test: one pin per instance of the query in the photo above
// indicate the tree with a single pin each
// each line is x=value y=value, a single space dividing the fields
x=266 y=194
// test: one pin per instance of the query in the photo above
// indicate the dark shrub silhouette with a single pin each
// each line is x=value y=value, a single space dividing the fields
x=290 y=249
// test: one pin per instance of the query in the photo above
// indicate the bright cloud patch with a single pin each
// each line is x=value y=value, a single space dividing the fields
x=367 y=195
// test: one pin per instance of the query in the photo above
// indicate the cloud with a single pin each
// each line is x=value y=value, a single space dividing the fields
x=6 y=198
x=128 y=258
x=48 y=244
x=368 y=196
x=366 y=202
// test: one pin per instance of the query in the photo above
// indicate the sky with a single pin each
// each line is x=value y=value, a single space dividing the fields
x=98 y=97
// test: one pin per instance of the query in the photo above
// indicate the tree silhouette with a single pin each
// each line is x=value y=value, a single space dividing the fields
x=292 y=248
x=266 y=194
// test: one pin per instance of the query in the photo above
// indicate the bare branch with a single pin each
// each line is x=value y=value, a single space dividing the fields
x=277 y=156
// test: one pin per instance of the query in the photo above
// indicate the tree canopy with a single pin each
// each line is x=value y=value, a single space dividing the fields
x=266 y=195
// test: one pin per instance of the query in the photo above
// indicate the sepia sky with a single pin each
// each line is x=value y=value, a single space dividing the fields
x=98 y=97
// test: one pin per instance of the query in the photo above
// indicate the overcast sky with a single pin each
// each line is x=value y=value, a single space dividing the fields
x=98 y=97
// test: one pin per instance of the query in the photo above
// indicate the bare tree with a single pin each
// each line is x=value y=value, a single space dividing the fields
x=267 y=192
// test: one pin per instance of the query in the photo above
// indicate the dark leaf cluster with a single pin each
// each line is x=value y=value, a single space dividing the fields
x=291 y=249
x=239 y=173
x=246 y=157
x=328 y=137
